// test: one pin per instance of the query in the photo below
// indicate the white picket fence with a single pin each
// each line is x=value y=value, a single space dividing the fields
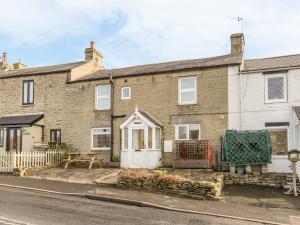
x=11 y=160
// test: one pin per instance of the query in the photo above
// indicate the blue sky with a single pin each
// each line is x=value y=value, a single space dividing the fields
x=131 y=32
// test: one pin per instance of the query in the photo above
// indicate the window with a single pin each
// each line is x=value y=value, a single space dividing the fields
x=125 y=138
x=1 y=137
x=101 y=138
x=55 y=136
x=28 y=92
x=188 y=132
x=275 y=88
x=157 y=138
x=126 y=93
x=103 y=93
x=149 y=137
x=187 y=90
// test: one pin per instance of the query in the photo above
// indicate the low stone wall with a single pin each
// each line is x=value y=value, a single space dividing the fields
x=276 y=180
x=172 y=184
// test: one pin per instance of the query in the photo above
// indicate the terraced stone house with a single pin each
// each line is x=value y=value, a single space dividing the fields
x=139 y=114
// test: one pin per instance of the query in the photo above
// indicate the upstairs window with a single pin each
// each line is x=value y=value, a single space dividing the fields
x=187 y=90
x=103 y=93
x=275 y=88
x=188 y=132
x=126 y=93
x=28 y=92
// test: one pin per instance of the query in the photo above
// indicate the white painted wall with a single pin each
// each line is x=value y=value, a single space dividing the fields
x=248 y=110
x=30 y=135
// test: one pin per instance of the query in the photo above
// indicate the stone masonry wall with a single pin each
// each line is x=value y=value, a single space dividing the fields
x=275 y=180
x=158 y=95
x=71 y=106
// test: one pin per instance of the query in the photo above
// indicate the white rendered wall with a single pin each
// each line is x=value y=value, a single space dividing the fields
x=255 y=112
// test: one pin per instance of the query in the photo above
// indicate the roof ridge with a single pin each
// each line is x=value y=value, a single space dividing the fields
x=61 y=64
x=173 y=61
x=274 y=57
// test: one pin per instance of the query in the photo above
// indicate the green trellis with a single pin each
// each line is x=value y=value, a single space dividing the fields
x=247 y=147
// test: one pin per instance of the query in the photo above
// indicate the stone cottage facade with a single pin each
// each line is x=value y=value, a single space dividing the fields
x=137 y=114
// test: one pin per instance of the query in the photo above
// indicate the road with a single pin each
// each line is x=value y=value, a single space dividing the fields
x=19 y=207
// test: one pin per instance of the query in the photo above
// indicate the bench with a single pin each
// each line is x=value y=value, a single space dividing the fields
x=80 y=157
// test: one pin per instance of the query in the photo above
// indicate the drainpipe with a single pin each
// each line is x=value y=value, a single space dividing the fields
x=111 y=118
x=241 y=100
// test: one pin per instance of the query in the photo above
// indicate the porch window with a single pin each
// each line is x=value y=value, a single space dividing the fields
x=28 y=92
x=275 y=88
x=187 y=90
x=55 y=136
x=101 y=138
x=150 y=137
x=1 y=137
x=103 y=96
x=125 y=138
x=126 y=93
x=188 y=132
x=157 y=138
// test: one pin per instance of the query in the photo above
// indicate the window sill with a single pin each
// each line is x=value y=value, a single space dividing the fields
x=187 y=104
x=27 y=105
x=276 y=101
x=100 y=149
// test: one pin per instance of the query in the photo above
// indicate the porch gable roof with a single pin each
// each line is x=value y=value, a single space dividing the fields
x=144 y=116
x=20 y=120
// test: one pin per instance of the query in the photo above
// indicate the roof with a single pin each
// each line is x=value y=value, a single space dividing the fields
x=20 y=120
x=41 y=70
x=273 y=63
x=151 y=118
x=163 y=67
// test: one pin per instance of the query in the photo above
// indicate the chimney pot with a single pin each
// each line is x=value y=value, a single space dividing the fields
x=92 y=44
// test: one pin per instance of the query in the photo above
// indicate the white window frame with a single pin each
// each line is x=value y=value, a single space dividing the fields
x=188 y=131
x=122 y=96
x=180 y=90
x=103 y=97
x=284 y=99
x=92 y=137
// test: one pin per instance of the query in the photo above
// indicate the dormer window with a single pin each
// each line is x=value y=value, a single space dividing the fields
x=28 y=92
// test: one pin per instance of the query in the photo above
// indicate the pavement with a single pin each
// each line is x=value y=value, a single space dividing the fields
x=74 y=175
x=259 y=203
x=21 y=207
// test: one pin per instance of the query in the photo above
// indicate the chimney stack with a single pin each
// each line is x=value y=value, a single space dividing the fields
x=91 y=54
x=237 y=44
x=4 y=59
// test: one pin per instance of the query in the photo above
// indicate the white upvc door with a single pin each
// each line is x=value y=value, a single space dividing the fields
x=137 y=145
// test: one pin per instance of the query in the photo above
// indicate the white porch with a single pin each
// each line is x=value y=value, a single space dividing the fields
x=141 y=141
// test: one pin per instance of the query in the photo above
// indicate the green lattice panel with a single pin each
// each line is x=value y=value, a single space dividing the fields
x=247 y=147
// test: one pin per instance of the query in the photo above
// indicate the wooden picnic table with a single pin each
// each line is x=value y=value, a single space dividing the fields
x=83 y=157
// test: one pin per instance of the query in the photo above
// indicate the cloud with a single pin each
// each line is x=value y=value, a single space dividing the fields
x=141 y=31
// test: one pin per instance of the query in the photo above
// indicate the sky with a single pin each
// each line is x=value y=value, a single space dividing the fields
x=133 y=32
